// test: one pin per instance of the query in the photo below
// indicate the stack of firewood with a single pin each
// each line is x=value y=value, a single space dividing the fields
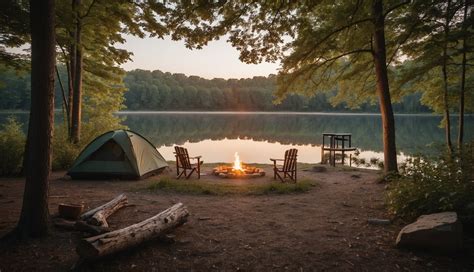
x=105 y=242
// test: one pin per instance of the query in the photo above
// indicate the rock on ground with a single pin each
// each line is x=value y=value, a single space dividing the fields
x=441 y=232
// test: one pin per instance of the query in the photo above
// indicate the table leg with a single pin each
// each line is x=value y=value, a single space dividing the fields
x=343 y=144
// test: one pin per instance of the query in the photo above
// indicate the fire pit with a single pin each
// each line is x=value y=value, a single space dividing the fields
x=237 y=170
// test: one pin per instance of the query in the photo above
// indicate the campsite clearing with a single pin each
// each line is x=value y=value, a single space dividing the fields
x=324 y=228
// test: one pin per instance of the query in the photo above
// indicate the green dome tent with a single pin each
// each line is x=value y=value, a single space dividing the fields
x=117 y=154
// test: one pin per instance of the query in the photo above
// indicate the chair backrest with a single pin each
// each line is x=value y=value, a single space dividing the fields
x=290 y=160
x=183 y=157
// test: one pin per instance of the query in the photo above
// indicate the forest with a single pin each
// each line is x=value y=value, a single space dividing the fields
x=161 y=91
x=157 y=90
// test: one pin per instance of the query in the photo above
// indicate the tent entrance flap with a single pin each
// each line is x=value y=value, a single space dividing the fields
x=110 y=151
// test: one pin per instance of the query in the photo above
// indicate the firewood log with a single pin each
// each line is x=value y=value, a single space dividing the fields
x=94 y=230
x=79 y=226
x=131 y=236
x=98 y=216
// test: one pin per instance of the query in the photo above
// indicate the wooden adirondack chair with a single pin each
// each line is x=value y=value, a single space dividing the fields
x=183 y=163
x=288 y=168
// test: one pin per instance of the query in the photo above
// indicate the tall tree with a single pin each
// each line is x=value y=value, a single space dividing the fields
x=437 y=61
x=448 y=15
x=76 y=113
x=34 y=214
x=380 y=60
x=465 y=34
x=88 y=36
x=322 y=44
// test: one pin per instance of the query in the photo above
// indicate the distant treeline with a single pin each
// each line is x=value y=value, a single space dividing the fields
x=156 y=90
x=15 y=89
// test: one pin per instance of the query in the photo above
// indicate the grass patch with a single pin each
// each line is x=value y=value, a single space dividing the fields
x=203 y=187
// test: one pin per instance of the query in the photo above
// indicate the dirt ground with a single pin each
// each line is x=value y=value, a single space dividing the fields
x=324 y=229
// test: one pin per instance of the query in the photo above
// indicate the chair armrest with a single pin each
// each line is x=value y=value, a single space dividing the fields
x=276 y=159
x=197 y=157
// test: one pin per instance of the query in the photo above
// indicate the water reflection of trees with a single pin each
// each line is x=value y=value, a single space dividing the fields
x=413 y=132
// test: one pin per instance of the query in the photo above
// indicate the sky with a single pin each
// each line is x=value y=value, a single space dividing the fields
x=217 y=60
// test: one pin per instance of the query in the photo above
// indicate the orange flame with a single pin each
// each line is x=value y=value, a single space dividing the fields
x=237 y=162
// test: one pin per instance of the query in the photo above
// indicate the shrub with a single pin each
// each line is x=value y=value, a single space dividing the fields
x=12 y=147
x=428 y=185
x=64 y=152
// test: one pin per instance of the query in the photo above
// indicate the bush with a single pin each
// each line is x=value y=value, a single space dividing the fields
x=64 y=152
x=12 y=147
x=429 y=185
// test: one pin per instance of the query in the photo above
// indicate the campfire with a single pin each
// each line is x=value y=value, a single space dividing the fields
x=238 y=170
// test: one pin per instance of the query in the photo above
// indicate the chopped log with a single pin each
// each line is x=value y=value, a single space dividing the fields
x=79 y=226
x=98 y=216
x=63 y=223
x=131 y=236
x=94 y=230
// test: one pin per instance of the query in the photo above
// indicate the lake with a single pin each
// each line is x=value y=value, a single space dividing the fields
x=258 y=136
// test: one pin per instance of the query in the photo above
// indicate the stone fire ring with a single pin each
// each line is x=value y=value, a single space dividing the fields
x=247 y=172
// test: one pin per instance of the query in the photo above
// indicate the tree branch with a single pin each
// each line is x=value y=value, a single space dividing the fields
x=306 y=55
x=410 y=31
x=323 y=77
x=365 y=81
x=355 y=10
x=395 y=7
x=297 y=74
x=343 y=55
x=88 y=10
x=277 y=12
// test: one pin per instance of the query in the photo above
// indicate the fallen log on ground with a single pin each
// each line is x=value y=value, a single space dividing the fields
x=131 y=236
x=98 y=216
x=94 y=230
x=64 y=224
x=79 y=226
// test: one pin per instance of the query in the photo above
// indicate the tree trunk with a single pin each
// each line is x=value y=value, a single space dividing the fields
x=463 y=76
x=72 y=67
x=69 y=97
x=63 y=96
x=447 y=124
x=70 y=72
x=131 y=236
x=98 y=216
x=34 y=214
x=383 y=91
x=77 y=94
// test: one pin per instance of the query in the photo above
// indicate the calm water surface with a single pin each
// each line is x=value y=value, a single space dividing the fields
x=260 y=136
